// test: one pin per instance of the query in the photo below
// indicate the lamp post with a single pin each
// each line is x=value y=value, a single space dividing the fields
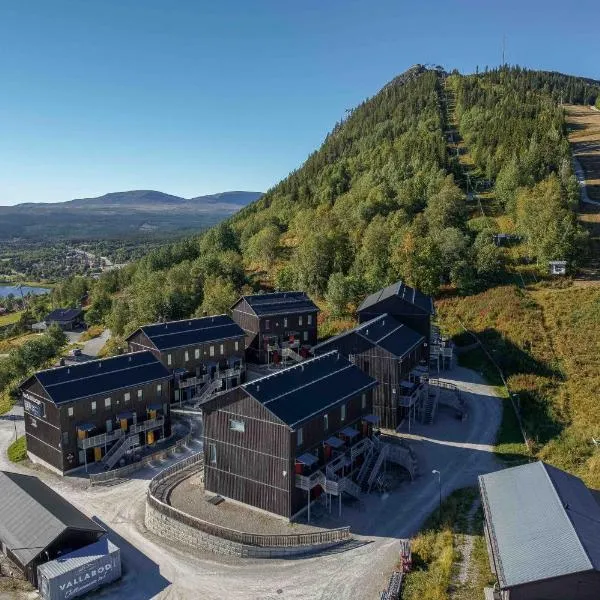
x=439 y=477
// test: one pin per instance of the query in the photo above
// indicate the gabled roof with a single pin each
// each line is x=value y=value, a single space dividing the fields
x=279 y=303
x=32 y=516
x=102 y=376
x=383 y=331
x=189 y=332
x=403 y=292
x=543 y=523
x=63 y=314
x=298 y=393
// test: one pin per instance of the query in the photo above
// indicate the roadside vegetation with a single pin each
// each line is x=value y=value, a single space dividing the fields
x=435 y=553
x=17 y=451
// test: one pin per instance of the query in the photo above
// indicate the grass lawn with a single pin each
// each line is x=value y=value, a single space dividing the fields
x=10 y=318
x=7 y=345
x=17 y=451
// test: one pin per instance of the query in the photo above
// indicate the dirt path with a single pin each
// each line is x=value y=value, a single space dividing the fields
x=466 y=546
x=156 y=569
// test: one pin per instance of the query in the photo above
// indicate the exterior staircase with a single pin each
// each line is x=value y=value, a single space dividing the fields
x=430 y=404
x=291 y=354
x=366 y=467
x=118 y=450
x=206 y=392
x=381 y=456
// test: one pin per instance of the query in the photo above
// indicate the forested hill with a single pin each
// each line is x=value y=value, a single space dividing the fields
x=383 y=198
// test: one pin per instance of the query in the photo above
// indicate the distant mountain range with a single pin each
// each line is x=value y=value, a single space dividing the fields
x=119 y=214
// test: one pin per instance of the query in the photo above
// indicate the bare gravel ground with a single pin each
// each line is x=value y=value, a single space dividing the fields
x=156 y=569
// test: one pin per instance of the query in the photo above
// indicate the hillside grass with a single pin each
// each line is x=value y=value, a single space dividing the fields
x=435 y=554
x=10 y=318
x=546 y=341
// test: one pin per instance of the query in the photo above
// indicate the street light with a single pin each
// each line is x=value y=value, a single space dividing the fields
x=439 y=476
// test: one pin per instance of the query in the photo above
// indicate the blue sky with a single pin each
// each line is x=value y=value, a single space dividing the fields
x=193 y=97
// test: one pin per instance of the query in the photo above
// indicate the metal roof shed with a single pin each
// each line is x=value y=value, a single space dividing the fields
x=36 y=524
x=543 y=529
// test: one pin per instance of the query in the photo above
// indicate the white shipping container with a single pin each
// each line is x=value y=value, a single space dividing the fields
x=80 y=572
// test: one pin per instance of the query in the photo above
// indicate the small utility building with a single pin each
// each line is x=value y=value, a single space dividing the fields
x=260 y=438
x=542 y=527
x=278 y=326
x=37 y=525
x=199 y=352
x=66 y=318
x=406 y=304
x=95 y=411
x=392 y=353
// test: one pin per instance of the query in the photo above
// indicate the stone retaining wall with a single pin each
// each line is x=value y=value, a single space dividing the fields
x=175 y=531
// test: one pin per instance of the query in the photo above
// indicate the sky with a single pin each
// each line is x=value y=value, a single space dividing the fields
x=192 y=97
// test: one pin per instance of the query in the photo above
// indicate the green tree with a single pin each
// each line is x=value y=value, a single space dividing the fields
x=219 y=296
x=338 y=294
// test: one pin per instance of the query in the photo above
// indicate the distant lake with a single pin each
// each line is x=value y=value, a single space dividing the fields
x=5 y=290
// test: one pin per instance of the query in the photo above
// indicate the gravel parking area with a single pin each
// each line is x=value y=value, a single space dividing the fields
x=190 y=497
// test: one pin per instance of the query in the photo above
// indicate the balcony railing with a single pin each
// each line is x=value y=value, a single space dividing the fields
x=104 y=439
x=191 y=381
x=219 y=374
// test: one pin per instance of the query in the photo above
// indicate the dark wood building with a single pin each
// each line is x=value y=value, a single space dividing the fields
x=97 y=411
x=407 y=305
x=37 y=525
x=390 y=352
x=265 y=440
x=542 y=528
x=66 y=318
x=201 y=353
x=278 y=326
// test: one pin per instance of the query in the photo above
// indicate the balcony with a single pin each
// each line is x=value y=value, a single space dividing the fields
x=103 y=439
x=191 y=381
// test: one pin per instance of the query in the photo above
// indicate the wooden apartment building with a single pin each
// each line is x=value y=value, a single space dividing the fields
x=208 y=351
x=278 y=326
x=96 y=411
x=278 y=442
x=393 y=354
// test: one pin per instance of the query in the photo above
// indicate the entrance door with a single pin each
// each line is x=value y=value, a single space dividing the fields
x=97 y=454
x=124 y=424
x=108 y=425
x=150 y=437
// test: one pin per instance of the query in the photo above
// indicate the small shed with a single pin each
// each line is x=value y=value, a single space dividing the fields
x=558 y=267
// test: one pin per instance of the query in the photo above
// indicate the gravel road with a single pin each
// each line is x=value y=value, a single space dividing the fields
x=155 y=569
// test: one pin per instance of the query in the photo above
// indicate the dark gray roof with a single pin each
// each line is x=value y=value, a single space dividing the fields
x=402 y=291
x=383 y=331
x=300 y=392
x=543 y=523
x=69 y=383
x=63 y=314
x=189 y=332
x=280 y=303
x=32 y=516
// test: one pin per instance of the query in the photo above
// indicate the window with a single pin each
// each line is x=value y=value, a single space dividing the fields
x=299 y=437
x=70 y=411
x=197 y=353
x=65 y=438
x=363 y=401
x=285 y=321
x=94 y=407
x=237 y=345
x=186 y=356
x=106 y=402
x=159 y=389
x=300 y=320
x=305 y=335
x=309 y=320
x=212 y=454
x=212 y=351
x=140 y=394
x=267 y=324
x=169 y=359
x=236 y=425
x=325 y=421
x=343 y=412
x=222 y=349
x=127 y=397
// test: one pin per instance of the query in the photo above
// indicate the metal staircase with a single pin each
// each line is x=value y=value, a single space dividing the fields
x=206 y=392
x=292 y=354
x=430 y=405
x=383 y=453
x=118 y=450
x=366 y=467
